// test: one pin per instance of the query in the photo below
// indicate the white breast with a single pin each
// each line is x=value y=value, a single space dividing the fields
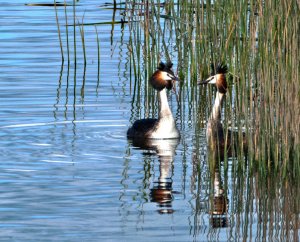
x=166 y=129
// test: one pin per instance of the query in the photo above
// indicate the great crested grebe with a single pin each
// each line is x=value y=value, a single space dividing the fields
x=216 y=137
x=214 y=127
x=217 y=141
x=164 y=127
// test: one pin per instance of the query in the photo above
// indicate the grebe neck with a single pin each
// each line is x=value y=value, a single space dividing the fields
x=164 y=109
x=216 y=111
x=165 y=127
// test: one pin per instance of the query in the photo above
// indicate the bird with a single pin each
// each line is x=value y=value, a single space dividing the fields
x=164 y=127
x=217 y=138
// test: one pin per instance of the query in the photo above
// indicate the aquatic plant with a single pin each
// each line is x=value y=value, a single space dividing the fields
x=259 y=42
x=59 y=33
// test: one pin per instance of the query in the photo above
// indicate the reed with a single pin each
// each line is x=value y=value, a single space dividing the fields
x=98 y=60
x=67 y=31
x=81 y=29
x=258 y=40
x=59 y=33
x=74 y=33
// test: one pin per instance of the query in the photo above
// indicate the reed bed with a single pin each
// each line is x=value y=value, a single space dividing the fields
x=259 y=42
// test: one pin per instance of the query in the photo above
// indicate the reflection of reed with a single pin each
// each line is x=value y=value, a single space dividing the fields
x=67 y=93
x=58 y=91
x=83 y=84
x=268 y=206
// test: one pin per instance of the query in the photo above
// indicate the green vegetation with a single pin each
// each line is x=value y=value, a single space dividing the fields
x=258 y=40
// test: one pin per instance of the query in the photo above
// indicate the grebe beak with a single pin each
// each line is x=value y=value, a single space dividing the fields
x=173 y=77
x=177 y=79
x=210 y=80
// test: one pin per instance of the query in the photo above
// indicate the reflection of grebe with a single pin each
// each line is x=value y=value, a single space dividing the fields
x=219 y=206
x=164 y=127
x=216 y=138
x=162 y=191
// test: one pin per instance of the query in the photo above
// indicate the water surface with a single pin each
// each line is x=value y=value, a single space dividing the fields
x=68 y=172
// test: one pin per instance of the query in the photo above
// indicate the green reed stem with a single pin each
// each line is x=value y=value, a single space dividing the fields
x=67 y=31
x=59 y=34
x=258 y=41
x=98 y=51
x=81 y=29
x=74 y=33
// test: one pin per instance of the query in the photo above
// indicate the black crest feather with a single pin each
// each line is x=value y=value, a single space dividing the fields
x=165 y=67
x=220 y=69
x=161 y=66
x=169 y=65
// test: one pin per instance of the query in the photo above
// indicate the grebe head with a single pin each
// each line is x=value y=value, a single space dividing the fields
x=163 y=77
x=218 y=78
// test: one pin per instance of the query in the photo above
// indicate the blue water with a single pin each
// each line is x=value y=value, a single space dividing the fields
x=68 y=172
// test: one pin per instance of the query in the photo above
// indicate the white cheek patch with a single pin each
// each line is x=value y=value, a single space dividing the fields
x=212 y=80
x=166 y=76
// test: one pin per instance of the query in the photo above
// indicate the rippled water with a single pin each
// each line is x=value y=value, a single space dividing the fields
x=68 y=172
